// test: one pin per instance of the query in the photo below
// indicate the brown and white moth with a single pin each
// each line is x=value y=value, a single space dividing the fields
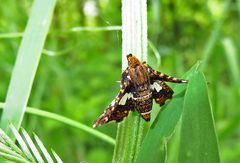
x=142 y=84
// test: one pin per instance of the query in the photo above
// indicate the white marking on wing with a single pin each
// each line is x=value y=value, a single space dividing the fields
x=125 y=97
x=146 y=113
x=148 y=70
x=112 y=103
x=156 y=86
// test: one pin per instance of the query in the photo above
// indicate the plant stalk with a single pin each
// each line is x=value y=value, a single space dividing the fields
x=134 y=40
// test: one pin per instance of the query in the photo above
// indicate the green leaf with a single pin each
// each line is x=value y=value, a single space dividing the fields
x=21 y=142
x=11 y=152
x=67 y=121
x=164 y=125
x=198 y=142
x=7 y=141
x=5 y=149
x=43 y=149
x=11 y=35
x=58 y=159
x=32 y=146
x=232 y=58
x=12 y=157
x=210 y=44
x=27 y=62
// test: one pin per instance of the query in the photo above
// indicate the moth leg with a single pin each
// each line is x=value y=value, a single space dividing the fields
x=156 y=75
x=117 y=114
x=124 y=88
x=162 y=93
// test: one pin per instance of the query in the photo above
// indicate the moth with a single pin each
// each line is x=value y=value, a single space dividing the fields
x=142 y=84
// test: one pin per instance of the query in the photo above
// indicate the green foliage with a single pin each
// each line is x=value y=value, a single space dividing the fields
x=198 y=142
x=76 y=76
x=27 y=62
x=163 y=126
x=68 y=122
x=28 y=150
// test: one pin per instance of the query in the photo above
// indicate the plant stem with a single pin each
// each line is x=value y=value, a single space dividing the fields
x=134 y=40
x=69 y=122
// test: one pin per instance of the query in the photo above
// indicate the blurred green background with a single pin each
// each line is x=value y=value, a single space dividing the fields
x=78 y=71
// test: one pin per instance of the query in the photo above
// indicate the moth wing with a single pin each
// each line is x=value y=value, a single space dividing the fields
x=161 y=92
x=156 y=75
x=122 y=111
x=115 y=114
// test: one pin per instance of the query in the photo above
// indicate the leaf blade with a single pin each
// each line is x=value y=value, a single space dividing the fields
x=58 y=159
x=164 y=125
x=43 y=149
x=21 y=143
x=31 y=145
x=198 y=141
x=27 y=62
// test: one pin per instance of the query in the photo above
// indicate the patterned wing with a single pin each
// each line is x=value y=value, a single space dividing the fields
x=161 y=92
x=117 y=114
x=121 y=111
x=155 y=75
x=114 y=107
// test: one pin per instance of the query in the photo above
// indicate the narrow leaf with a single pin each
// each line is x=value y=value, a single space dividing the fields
x=231 y=55
x=107 y=28
x=164 y=125
x=69 y=122
x=8 y=150
x=33 y=148
x=10 y=35
x=21 y=143
x=27 y=62
x=198 y=142
x=43 y=149
x=156 y=53
x=9 y=142
x=12 y=158
x=58 y=159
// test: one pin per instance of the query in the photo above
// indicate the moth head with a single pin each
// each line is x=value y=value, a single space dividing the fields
x=132 y=61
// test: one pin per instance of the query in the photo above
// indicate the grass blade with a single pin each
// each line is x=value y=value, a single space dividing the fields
x=36 y=154
x=27 y=61
x=9 y=142
x=7 y=150
x=69 y=122
x=23 y=154
x=207 y=52
x=12 y=158
x=97 y=29
x=21 y=142
x=232 y=59
x=156 y=53
x=164 y=125
x=43 y=149
x=10 y=35
x=58 y=159
x=198 y=142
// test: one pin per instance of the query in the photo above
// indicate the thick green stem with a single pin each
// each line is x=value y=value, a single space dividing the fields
x=134 y=40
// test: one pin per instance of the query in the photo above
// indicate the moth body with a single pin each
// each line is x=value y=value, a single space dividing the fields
x=141 y=90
